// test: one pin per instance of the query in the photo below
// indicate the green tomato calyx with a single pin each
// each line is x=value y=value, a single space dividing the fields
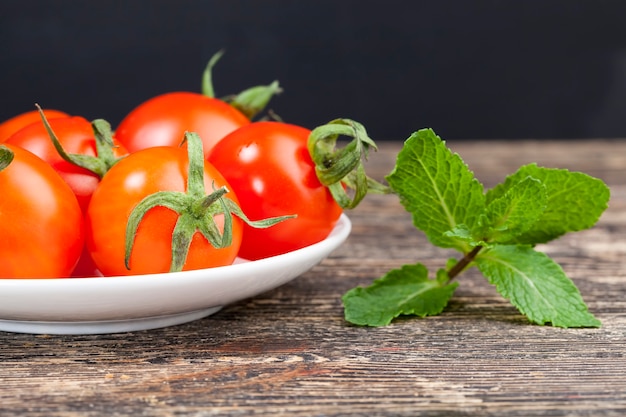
x=196 y=211
x=342 y=169
x=103 y=134
x=251 y=101
x=6 y=157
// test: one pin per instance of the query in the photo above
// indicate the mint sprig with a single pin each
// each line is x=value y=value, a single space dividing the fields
x=496 y=231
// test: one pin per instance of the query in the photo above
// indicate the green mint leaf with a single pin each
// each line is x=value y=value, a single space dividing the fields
x=463 y=233
x=405 y=291
x=536 y=285
x=514 y=212
x=575 y=201
x=437 y=188
x=495 y=231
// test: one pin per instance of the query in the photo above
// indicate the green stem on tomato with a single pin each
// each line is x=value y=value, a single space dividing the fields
x=250 y=101
x=104 y=159
x=207 y=76
x=104 y=143
x=6 y=157
x=342 y=169
x=196 y=211
x=254 y=99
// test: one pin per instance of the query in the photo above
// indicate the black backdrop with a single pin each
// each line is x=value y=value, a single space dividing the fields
x=468 y=69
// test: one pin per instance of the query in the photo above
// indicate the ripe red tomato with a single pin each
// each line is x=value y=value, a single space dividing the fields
x=77 y=137
x=269 y=168
x=164 y=119
x=41 y=223
x=125 y=185
x=12 y=125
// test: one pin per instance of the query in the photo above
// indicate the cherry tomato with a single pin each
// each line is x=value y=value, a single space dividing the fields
x=41 y=223
x=164 y=119
x=76 y=136
x=124 y=186
x=12 y=125
x=270 y=170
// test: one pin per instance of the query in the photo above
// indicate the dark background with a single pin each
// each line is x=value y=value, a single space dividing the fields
x=468 y=69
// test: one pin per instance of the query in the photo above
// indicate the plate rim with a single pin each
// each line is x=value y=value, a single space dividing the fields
x=188 y=283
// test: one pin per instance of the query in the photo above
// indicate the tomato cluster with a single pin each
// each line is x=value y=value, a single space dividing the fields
x=185 y=181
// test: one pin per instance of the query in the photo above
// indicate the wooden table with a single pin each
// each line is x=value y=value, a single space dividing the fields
x=290 y=352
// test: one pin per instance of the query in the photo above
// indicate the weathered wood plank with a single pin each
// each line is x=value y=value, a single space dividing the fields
x=289 y=351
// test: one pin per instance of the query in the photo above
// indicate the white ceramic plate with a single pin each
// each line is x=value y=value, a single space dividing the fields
x=121 y=304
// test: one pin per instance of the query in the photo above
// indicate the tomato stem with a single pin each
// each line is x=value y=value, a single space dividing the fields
x=341 y=169
x=195 y=177
x=6 y=157
x=251 y=101
x=104 y=143
x=196 y=211
x=99 y=164
x=200 y=206
x=181 y=241
x=207 y=76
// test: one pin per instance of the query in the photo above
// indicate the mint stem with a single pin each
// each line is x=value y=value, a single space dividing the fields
x=463 y=262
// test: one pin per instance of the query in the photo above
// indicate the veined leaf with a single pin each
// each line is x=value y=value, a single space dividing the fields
x=575 y=201
x=437 y=188
x=536 y=285
x=513 y=213
x=405 y=291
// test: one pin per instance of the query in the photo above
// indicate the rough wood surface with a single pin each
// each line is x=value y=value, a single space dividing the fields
x=289 y=351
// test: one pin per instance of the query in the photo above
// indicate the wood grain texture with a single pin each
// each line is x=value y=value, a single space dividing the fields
x=289 y=351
